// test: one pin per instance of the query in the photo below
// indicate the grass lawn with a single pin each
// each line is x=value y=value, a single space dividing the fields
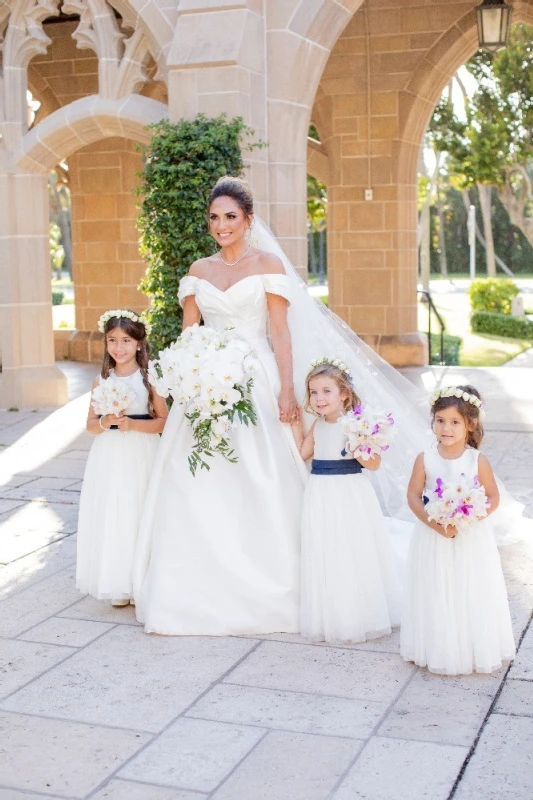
x=478 y=350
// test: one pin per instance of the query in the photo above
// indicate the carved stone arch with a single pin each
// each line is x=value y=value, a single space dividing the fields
x=85 y=121
x=452 y=50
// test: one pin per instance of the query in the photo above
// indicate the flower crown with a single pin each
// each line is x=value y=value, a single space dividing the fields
x=334 y=363
x=120 y=312
x=455 y=391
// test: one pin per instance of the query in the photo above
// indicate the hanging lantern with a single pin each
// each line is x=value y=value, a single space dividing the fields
x=493 y=23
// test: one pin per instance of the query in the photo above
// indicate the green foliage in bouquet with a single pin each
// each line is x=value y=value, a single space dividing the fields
x=492 y=294
x=203 y=448
x=182 y=163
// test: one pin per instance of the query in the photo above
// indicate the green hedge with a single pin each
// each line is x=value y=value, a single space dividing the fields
x=492 y=294
x=57 y=298
x=501 y=325
x=452 y=346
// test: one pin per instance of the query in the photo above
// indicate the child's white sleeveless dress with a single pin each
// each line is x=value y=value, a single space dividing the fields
x=456 y=614
x=115 y=482
x=349 y=590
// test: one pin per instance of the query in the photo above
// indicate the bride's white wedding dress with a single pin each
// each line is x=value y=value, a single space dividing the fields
x=219 y=553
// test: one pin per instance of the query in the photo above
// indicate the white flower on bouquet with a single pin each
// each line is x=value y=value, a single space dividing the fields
x=111 y=396
x=210 y=372
x=459 y=504
x=368 y=432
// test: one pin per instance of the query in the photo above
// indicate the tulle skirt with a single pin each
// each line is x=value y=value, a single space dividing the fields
x=456 y=616
x=349 y=589
x=115 y=482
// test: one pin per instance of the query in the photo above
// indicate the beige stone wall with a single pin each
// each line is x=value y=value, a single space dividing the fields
x=376 y=94
x=107 y=264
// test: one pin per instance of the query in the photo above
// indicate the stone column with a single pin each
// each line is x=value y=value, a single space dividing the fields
x=217 y=65
x=107 y=263
x=29 y=377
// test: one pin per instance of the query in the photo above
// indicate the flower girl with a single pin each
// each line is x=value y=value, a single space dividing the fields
x=126 y=416
x=456 y=615
x=349 y=589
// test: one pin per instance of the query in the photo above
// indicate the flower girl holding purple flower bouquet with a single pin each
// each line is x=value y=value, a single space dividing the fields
x=456 y=614
x=349 y=588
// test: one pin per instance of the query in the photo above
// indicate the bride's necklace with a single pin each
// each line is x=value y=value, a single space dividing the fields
x=232 y=264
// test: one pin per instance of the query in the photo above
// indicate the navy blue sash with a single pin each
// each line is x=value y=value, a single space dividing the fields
x=337 y=467
x=131 y=416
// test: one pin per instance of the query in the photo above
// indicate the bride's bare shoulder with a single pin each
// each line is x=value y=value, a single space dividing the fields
x=200 y=268
x=270 y=264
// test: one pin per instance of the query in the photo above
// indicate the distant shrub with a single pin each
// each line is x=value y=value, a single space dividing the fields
x=501 y=325
x=57 y=298
x=452 y=347
x=492 y=294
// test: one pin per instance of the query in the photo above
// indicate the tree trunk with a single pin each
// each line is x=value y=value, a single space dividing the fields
x=481 y=239
x=442 y=239
x=485 y=193
x=425 y=243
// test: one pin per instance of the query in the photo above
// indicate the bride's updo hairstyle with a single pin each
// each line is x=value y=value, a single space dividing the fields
x=341 y=378
x=237 y=189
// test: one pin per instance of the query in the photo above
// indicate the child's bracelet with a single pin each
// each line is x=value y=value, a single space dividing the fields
x=102 y=426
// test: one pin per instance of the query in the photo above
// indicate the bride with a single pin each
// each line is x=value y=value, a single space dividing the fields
x=218 y=554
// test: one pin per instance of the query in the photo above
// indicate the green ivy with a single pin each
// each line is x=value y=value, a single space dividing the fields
x=492 y=294
x=501 y=325
x=182 y=163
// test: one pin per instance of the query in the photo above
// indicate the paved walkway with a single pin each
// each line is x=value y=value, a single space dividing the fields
x=91 y=707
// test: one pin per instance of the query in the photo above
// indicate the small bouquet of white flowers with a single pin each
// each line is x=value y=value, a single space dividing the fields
x=368 y=432
x=210 y=372
x=459 y=504
x=111 y=396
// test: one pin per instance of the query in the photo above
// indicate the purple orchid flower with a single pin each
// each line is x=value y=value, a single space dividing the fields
x=439 y=488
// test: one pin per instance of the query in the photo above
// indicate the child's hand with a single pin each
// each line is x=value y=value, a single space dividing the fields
x=448 y=532
x=124 y=423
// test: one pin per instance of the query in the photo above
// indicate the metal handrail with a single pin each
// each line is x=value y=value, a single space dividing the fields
x=432 y=308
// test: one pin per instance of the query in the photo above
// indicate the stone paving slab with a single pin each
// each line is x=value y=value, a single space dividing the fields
x=290 y=766
x=449 y=710
x=21 y=662
x=323 y=671
x=37 y=566
x=194 y=754
x=390 y=769
x=516 y=698
x=108 y=682
x=128 y=790
x=63 y=759
x=66 y=632
x=23 y=610
x=501 y=767
x=292 y=711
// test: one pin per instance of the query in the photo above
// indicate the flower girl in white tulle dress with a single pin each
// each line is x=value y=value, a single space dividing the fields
x=126 y=416
x=349 y=587
x=456 y=614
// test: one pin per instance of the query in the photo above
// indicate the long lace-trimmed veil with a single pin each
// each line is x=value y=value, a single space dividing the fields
x=317 y=332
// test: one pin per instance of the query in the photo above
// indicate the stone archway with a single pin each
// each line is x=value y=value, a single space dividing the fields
x=116 y=114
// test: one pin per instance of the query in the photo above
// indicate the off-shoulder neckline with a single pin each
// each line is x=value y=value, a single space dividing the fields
x=223 y=291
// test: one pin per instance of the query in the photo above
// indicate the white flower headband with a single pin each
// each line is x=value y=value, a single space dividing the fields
x=455 y=391
x=120 y=312
x=334 y=363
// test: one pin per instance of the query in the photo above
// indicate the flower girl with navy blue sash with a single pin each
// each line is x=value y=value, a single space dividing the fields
x=120 y=460
x=349 y=589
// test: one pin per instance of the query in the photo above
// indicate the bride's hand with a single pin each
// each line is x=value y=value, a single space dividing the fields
x=289 y=410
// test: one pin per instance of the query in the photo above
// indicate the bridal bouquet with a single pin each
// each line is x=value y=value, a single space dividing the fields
x=111 y=396
x=211 y=373
x=368 y=432
x=460 y=504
